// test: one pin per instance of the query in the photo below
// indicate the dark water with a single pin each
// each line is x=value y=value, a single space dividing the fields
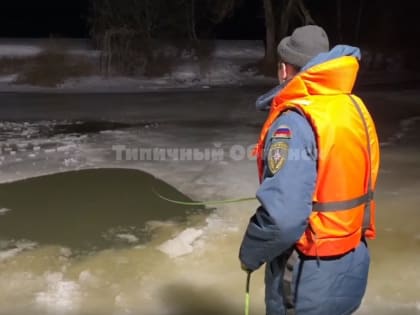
x=86 y=210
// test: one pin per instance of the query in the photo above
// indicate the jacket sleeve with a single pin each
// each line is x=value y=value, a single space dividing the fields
x=285 y=194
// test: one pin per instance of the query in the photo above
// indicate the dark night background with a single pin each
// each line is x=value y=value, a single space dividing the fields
x=387 y=28
x=382 y=21
x=44 y=18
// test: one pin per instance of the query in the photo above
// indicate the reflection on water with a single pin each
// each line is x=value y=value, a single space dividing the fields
x=91 y=209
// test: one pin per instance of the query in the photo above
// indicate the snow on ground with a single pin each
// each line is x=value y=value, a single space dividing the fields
x=13 y=47
x=18 y=51
x=223 y=66
x=29 y=47
x=227 y=64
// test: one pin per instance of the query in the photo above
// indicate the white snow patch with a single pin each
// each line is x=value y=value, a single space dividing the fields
x=19 y=247
x=16 y=50
x=113 y=132
x=65 y=252
x=70 y=162
x=9 y=253
x=65 y=148
x=217 y=223
x=239 y=50
x=3 y=211
x=130 y=238
x=181 y=244
x=8 y=78
x=60 y=295
x=22 y=145
x=88 y=279
x=155 y=224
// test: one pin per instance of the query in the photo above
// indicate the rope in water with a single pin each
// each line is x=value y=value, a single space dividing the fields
x=203 y=203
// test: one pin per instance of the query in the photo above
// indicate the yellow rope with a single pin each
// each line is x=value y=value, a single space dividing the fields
x=203 y=203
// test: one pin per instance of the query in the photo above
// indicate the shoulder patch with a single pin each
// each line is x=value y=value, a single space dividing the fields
x=277 y=156
x=282 y=132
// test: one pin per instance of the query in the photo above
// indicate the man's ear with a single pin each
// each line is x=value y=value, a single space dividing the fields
x=282 y=72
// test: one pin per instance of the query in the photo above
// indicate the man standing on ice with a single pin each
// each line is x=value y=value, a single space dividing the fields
x=318 y=160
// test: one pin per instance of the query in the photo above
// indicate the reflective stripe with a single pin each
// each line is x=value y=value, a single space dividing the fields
x=342 y=205
x=366 y=219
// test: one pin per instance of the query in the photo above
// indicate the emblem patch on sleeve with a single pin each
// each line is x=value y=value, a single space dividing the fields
x=277 y=156
x=283 y=132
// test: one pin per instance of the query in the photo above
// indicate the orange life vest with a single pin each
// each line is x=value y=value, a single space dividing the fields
x=348 y=156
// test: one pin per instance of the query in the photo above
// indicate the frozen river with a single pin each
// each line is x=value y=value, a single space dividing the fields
x=97 y=240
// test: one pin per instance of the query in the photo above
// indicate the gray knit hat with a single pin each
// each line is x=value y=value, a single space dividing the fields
x=305 y=43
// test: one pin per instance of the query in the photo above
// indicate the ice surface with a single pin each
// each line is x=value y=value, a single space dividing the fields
x=61 y=295
x=18 y=247
x=130 y=238
x=140 y=283
x=182 y=244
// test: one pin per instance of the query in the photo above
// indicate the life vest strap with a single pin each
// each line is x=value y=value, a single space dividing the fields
x=342 y=205
x=367 y=212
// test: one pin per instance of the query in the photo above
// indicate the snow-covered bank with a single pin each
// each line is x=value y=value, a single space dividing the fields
x=227 y=63
x=185 y=80
x=30 y=47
